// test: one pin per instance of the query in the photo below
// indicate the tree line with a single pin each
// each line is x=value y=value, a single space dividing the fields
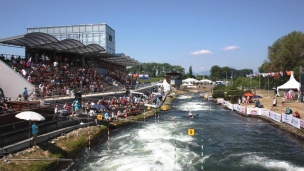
x=285 y=54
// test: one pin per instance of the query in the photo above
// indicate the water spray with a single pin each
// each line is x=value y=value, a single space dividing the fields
x=155 y=114
x=108 y=136
x=158 y=120
x=89 y=135
x=202 y=154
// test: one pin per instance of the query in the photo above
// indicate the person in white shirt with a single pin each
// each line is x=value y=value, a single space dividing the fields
x=24 y=73
x=283 y=100
x=55 y=64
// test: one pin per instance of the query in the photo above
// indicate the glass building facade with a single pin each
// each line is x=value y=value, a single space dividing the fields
x=100 y=34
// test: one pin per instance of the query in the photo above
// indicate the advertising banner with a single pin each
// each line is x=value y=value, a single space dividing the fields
x=265 y=113
x=239 y=108
x=295 y=122
x=253 y=111
x=302 y=125
x=275 y=116
x=286 y=118
x=220 y=100
x=229 y=105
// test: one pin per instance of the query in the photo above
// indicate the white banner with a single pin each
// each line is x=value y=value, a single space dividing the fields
x=229 y=105
x=275 y=116
x=265 y=113
x=295 y=122
x=224 y=102
x=239 y=108
x=235 y=107
x=302 y=123
x=253 y=111
x=286 y=118
x=220 y=100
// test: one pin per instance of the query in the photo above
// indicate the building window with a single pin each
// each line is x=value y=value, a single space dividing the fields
x=110 y=38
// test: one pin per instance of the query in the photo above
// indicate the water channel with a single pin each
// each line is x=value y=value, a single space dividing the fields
x=230 y=142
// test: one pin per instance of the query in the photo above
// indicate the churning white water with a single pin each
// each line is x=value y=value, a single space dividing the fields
x=231 y=142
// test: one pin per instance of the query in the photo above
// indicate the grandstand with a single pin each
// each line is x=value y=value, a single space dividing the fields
x=53 y=67
x=47 y=55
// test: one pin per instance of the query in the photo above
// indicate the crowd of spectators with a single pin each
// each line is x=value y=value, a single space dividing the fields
x=60 y=76
x=111 y=107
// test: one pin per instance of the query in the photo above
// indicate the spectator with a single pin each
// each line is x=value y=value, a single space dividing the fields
x=25 y=94
x=274 y=102
x=297 y=115
x=34 y=132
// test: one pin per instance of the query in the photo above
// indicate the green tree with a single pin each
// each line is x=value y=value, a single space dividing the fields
x=285 y=53
x=215 y=72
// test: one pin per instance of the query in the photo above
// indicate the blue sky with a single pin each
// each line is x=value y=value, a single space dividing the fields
x=197 y=33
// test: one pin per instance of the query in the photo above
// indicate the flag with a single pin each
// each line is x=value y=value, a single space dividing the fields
x=29 y=62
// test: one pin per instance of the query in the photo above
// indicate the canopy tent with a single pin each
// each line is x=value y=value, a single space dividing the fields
x=191 y=80
x=292 y=83
x=205 y=81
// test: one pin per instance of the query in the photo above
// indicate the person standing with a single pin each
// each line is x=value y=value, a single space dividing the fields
x=283 y=100
x=274 y=102
x=25 y=94
x=56 y=112
x=34 y=132
x=239 y=101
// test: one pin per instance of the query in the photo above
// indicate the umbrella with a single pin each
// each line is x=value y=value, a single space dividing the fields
x=248 y=94
x=30 y=116
x=257 y=97
x=98 y=106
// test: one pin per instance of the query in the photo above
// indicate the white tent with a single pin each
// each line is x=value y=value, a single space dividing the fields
x=166 y=85
x=292 y=83
x=205 y=81
x=191 y=80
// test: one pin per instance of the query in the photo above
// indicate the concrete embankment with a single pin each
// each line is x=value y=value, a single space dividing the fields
x=56 y=150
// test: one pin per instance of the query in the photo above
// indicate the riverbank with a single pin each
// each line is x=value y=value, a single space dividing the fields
x=58 y=152
x=266 y=101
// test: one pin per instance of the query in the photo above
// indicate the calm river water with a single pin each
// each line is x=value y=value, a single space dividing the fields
x=230 y=143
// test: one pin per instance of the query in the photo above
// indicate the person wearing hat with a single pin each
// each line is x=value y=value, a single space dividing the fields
x=25 y=94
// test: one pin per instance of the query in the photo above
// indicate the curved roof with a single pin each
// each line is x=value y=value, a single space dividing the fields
x=46 y=41
x=122 y=60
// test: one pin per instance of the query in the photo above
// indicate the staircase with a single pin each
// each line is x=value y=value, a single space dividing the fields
x=111 y=81
x=12 y=83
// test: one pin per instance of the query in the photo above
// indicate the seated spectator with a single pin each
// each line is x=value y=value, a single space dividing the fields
x=288 y=111
x=297 y=115
x=258 y=104
x=106 y=115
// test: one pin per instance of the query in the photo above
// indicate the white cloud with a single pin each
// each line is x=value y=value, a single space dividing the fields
x=201 y=52
x=230 y=47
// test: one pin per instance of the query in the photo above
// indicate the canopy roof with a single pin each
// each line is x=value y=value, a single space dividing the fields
x=46 y=41
x=292 y=83
x=121 y=59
